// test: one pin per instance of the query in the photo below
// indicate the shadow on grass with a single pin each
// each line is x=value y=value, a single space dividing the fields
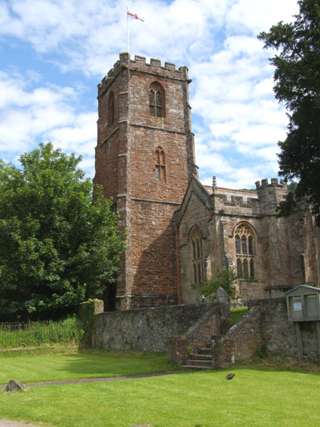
x=123 y=363
x=277 y=364
x=98 y=363
x=102 y=363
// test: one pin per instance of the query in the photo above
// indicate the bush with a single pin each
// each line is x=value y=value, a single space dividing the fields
x=36 y=333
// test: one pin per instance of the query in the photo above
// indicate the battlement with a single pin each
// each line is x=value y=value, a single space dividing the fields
x=140 y=63
x=274 y=182
x=156 y=66
x=241 y=201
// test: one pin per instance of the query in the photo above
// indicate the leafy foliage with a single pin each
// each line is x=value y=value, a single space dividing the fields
x=38 y=333
x=224 y=279
x=297 y=84
x=57 y=246
x=237 y=313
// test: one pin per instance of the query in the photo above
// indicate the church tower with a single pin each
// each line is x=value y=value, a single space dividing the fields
x=144 y=160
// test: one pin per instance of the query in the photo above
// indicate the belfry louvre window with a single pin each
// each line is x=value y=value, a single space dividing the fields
x=198 y=260
x=160 y=167
x=110 y=111
x=245 y=252
x=157 y=100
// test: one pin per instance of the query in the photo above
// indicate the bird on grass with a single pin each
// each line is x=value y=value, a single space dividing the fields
x=230 y=376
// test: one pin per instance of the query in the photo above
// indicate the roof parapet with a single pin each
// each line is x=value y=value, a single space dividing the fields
x=140 y=63
x=244 y=202
x=274 y=182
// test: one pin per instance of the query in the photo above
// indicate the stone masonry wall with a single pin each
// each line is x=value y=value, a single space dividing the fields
x=265 y=330
x=312 y=250
x=242 y=342
x=279 y=241
x=151 y=254
x=145 y=329
x=197 y=215
x=151 y=273
x=278 y=333
x=126 y=167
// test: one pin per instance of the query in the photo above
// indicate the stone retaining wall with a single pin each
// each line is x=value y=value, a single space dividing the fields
x=179 y=329
x=242 y=341
x=146 y=329
x=265 y=330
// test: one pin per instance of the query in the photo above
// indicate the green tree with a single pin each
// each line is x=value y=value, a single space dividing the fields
x=58 y=246
x=297 y=84
x=221 y=279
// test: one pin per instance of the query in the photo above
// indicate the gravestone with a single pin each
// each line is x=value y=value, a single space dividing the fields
x=13 y=385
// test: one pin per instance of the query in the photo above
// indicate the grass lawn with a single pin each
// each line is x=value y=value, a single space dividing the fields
x=255 y=397
x=48 y=364
x=261 y=395
x=237 y=313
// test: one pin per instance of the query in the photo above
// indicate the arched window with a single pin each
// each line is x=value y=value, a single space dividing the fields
x=238 y=244
x=251 y=269
x=198 y=259
x=245 y=269
x=239 y=267
x=250 y=244
x=160 y=166
x=157 y=100
x=110 y=111
x=245 y=251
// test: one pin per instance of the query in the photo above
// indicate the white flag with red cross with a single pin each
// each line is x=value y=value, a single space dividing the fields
x=134 y=16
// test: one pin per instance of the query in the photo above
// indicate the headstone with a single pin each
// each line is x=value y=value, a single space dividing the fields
x=222 y=296
x=14 y=386
x=142 y=425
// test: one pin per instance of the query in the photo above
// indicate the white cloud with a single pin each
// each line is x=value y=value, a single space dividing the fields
x=29 y=115
x=228 y=174
x=233 y=97
x=237 y=118
x=260 y=15
x=79 y=136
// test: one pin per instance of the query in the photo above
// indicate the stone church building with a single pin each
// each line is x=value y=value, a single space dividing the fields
x=179 y=231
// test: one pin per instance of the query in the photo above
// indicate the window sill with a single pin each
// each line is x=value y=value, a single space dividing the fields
x=248 y=281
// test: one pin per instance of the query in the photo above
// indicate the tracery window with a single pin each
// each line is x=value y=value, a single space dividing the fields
x=245 y=252
x=110 y=111
x=198 y=259
x=157 y=100
x=160 y=166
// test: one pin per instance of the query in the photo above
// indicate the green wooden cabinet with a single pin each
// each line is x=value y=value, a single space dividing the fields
x=303 y=303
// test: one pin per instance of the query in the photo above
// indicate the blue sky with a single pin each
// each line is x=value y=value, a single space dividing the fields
x=53 y=53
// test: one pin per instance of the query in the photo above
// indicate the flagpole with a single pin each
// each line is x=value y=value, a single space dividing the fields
x=135 y=16
x=128 y=32
x=128 y=49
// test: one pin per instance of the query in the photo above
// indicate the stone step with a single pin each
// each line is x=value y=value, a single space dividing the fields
x=197 y=367
x=204 y=350
x=199 y=362
x=200 y=356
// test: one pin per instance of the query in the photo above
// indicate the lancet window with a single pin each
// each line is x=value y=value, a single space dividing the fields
x=245 y=252
x=157 y=100
x=198 y=259
x=160 y=166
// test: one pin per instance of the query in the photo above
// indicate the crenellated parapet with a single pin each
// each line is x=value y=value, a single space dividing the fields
x=271 y=194
x=274 y=182
x=140 y=63
x=240 y=201
x=155 y=66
